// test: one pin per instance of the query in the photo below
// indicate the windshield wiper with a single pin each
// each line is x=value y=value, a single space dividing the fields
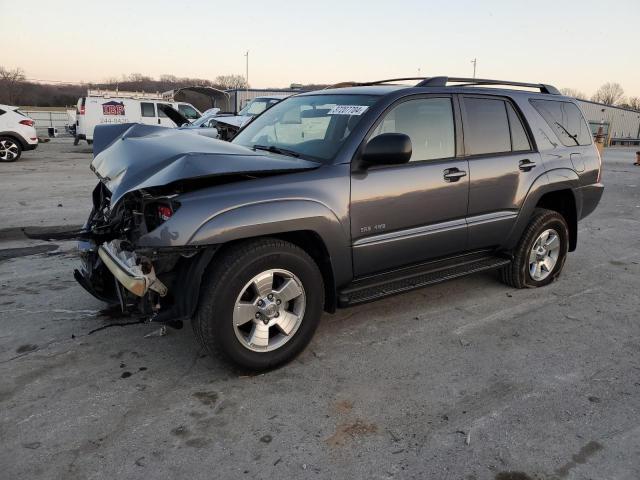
x=272 y=149
x=572 y=137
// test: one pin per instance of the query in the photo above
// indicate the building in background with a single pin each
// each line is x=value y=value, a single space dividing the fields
x=621 y=126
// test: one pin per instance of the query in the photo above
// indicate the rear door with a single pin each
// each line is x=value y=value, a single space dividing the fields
x=405 y=214
x=502 y=166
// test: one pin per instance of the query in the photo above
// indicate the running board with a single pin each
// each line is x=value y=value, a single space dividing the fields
x=386 y=284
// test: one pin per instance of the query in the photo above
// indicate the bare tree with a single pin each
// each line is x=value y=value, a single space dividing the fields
x=168 y=78
x=634 y=103
x=610 y=94
x=11 y=84
x=231 y=81
x=573 y=92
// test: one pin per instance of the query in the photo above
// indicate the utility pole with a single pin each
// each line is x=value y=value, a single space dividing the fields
x=247 y=76
x=475 y=62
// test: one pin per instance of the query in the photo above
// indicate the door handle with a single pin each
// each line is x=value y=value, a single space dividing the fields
x=526 y=165
x=453 y=174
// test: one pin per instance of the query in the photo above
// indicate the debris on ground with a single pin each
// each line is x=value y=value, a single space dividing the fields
x=161 y=332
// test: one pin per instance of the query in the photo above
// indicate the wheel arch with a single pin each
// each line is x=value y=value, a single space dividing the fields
x=313 y=244
x=564 y=202
x=554 y=191
x=16 y=137
x=306 y=223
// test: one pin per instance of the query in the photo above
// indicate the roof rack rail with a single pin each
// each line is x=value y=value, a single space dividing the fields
x=442 y=82
x=376 y=82
x=468 y=82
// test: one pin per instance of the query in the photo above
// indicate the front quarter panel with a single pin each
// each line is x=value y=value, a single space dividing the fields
x=315 y=200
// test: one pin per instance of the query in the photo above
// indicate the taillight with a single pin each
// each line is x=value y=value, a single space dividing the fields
x=599 y=166
x=28 y=122
x=81 y=111
x=164 y=212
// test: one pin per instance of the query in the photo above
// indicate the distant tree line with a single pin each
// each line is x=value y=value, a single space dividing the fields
x=15 y=89
x=610 y=93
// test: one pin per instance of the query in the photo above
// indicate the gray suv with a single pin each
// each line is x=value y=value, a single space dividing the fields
x=333 y=198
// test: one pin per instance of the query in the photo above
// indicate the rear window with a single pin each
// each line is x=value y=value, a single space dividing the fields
x=147 y=109
x=566 y=120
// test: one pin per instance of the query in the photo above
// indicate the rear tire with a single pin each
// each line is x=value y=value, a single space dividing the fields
x=10 y=149
x=540 y=255
x=229 y=320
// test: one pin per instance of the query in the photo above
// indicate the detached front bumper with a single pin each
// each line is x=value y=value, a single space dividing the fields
x=134 y=273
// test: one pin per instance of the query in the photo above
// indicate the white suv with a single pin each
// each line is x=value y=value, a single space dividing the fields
x=17 y=133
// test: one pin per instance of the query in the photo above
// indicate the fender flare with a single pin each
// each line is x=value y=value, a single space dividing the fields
x=277 y=217
x=553 y=181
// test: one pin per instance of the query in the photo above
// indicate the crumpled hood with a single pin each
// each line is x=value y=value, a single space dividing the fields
x=130 y=157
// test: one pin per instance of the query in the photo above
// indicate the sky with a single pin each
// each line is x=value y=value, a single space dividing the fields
x=567 y=43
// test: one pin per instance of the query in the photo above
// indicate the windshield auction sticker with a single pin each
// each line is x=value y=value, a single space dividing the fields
x=348 y=110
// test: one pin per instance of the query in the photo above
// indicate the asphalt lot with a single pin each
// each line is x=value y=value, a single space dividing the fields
x=465 y=380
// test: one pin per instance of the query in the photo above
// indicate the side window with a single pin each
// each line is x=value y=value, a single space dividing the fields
x=519 y=140
x=188 y=111
x=486 y=129
x=147 y=109
x=2 y=112
x=429 y=124
x=566 y=121
x=161 y=114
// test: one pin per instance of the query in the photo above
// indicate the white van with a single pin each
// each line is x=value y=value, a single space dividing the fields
x=108 y=107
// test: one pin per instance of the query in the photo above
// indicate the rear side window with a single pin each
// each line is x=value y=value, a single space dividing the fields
x=147 y=109
x=429 y=124
x=519 y=140
x=487 y=127
x=566 y=121
x=493 y=126
x=2 y=112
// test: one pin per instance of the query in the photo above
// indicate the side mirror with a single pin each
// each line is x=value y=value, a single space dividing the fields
x=387 y=149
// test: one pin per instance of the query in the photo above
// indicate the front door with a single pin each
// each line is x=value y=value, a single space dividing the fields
x=405 y=214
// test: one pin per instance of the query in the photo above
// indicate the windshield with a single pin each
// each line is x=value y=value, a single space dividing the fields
x=313 y=126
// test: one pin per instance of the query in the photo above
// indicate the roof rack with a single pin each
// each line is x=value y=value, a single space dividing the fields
x=469 y=82
x=442 y=82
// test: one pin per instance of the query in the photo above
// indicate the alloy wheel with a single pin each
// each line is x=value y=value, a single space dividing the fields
x=269 y=310
x=8 y=150
x=544 y=255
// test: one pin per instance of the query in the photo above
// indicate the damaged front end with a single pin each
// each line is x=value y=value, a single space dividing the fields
x=159 y=283
x=141 y=280
x=144 y=171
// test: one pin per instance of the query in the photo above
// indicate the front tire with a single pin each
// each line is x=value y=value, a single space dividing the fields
x=10 y=149
x=260 y=303
x=540 y=255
